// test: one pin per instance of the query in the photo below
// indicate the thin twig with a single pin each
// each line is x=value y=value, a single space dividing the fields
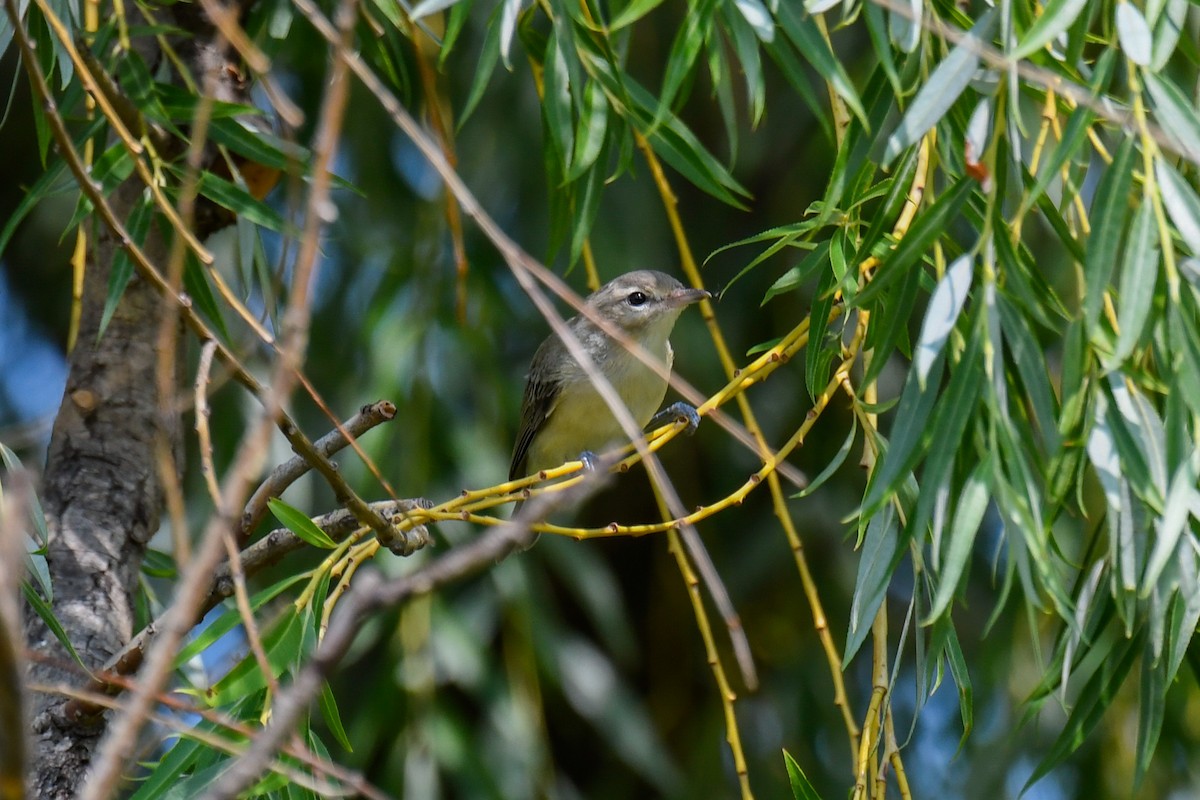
x=370 y=594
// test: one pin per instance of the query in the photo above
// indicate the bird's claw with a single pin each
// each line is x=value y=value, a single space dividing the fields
x=678 y=411
x=590 y=460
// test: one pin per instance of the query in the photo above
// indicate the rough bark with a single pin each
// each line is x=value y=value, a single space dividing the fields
x=102 y=492
x=102 y=498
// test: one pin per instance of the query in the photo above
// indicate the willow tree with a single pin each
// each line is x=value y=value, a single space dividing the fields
x=973 y=232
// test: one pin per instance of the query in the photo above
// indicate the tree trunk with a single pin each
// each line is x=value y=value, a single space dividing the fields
x=102 y=497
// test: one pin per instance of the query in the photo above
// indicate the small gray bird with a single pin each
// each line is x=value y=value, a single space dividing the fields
x=563 y=417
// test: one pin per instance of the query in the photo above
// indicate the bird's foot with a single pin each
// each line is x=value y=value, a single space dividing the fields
x=590 y=461
x=678 y=411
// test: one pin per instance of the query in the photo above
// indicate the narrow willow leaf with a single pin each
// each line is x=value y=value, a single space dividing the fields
x=1181 y=201
x=1146 y=429
x=1102 y=451
x=838 y=459
x=489 y=53
x=1152 y=701
x=944 y=307
x=813 y=47
x=333 y=717
x=1180 y=499
x=1186 y=616
x=1176 y=114
x=1133 y=33
x=979 y=129
x=880 y=551
x=905 y=26
x=46 y=613
x=591 y=129
x=509 y=11
x=632 y=13
x=685 y=48
x=944 y=86
x=1139 y=276
x=231 y=618
x=883 y=47
x=281 y=641
x=755 y=13
x=955 y=409
x=968 y=516
x=258 y=146
x=1030 y=361
x=928 y=227
x=169 y=772
x=1108 y=213
x=797 y=275
x=1055 y=19
x=298 y=523
x=556 y=100
x=908 y=434
x=1094 y=699
x=243 y=204
x=820 y=351
x=427 y=7
x=138 y=225
x=1167 y=29
x=801 y=788
x=195 y=281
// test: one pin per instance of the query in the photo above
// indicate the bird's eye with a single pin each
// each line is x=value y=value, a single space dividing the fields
x=636 y=298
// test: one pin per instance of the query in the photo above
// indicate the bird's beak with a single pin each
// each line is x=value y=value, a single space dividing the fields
x=685 y=297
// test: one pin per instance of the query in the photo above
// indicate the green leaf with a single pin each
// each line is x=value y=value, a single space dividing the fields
x=46 y=613
x=972 y=503
x=880 y=553
x=1166 y=32
x=908 y=436
x=259 y=146
x=195 y=281
x=556 y=100
x=807 y=38
x=1056 y=18
x=590 y=130
x=298 y=523
x=1181 y=498
x=427 y=7
x=632 y=13
x=1152 y=701
x=1108 y=213
x=838 y=459
x=333 y=717
x=1133 y=33
x=877 y=30
x=1139 y=276
x=942 y=88
x=820 y=351
x=1176 y=114
x=230 y=619
x=138 y=225
x=945 y=305
x=282 y=643
x=801 y=788
x=685 y=49
x=928 y=228
x=235 y=198
x=1094 y=699
x=1183 y=206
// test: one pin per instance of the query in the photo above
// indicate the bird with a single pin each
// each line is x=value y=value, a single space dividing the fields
x=563 y=416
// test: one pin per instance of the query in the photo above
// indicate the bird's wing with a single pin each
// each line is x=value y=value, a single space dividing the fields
x=539 y=400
